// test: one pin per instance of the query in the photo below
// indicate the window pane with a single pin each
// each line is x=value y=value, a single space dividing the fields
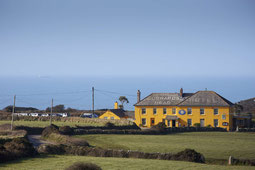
x=154 y=111
x=174 y=110
x=189 y=111
x=143 y=110
x=215 y=110
x=164 y=110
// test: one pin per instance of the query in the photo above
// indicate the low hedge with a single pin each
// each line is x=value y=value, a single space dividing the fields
x=16 y=148
x=83 y=166
x=186 y=155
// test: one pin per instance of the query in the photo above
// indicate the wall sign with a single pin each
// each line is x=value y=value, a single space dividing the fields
x=182 y=112
x=224 y=123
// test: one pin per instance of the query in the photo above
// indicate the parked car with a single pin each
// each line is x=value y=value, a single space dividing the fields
x=89 y=115
x=35 y=114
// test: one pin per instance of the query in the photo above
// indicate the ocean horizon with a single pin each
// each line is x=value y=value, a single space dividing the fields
x=76 y=92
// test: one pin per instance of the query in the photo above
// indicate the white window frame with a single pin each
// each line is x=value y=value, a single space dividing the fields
x=154 y=111
x=188 y=122
x=174 y=111
x=189 y=109
x=164 y=111
x=223 y=117
x=214 y=122
x=215 y=112
x=143 y=111
x=105 y=117
x=203 y=111
x=112 y=118
x=144 y=124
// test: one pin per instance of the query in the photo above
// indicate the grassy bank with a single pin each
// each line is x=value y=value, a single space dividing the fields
x=213 y=145
x=60 y=162
x=70 y=121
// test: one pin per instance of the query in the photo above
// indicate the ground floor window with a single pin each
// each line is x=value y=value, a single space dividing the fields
x=216 y=123
x=105 y=117
x=202 y=122
x=189 y=122
x=112 y=118
x=143 y=121
x=168 y=123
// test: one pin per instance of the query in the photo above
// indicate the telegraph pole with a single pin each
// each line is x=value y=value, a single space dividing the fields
x=51 y=111
x=13 y=111
x=93 y=102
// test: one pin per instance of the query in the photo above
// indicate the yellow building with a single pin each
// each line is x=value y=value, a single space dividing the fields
x=113 y=114
x=206 y=108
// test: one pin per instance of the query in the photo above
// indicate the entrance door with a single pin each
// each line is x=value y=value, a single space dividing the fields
x=173 y=123
x=152 y=121
x=202 y=122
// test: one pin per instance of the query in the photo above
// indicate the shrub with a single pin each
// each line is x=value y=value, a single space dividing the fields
x=109 y=125
x=21 y=147
x=66 y=130
x=197 y=124
x=189 y=155
x=83 y=166
x=209 y=126
x=50 y=129
x=161 y=127
x=51 y=149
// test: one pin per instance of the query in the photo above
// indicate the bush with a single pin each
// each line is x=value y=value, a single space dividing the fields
x=50 y=129
x=83 y=166
x=66 y=130
x=109 y=125
x=197 y=124
x=21 y=147
x=209 y=126
x=189 y=155
x=160 y=127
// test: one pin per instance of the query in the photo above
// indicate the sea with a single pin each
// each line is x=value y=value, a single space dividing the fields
x=76 y=91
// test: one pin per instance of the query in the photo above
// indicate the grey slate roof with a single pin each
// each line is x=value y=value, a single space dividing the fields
x=200 y=98
x=118 y=112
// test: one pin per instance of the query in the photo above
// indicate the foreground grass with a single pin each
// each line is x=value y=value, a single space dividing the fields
x=213 y=145
x=58 y=162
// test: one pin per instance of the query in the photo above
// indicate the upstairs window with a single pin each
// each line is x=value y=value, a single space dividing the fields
x=215 y=111
x=189 y=111
x=143 y=110
x=202 y=111
x=174 y=111
x=154 y=111
x=224 y=117
x=164 y=111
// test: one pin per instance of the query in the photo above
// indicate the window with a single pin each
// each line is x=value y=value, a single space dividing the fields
x=164 y=111
x=202 y=111
x=189 y=122
x=154 y=111
x=216 y=122
x=143 y=110
x=189 y=111
x=112 y=118
x=174 y=111
x=168 y=123
x=223 y=117
x=143 y=121
x=215 y=111
x=105 y=117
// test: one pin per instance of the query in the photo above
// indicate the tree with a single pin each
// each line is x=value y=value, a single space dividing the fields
x=58 y=108
x=123 y=100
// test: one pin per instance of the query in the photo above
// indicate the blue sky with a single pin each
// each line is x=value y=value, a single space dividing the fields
x=127 y=38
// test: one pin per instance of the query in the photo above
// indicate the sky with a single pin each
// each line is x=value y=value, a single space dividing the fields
x=127 y=38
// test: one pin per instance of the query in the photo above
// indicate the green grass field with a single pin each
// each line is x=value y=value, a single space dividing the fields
x=213 y=145
x=59 y=162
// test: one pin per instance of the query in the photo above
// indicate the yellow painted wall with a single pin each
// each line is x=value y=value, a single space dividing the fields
x=182 y=121
x=108 y=114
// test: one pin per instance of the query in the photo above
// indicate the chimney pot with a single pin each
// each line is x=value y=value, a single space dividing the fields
x=138 y=96
x=181 y=92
